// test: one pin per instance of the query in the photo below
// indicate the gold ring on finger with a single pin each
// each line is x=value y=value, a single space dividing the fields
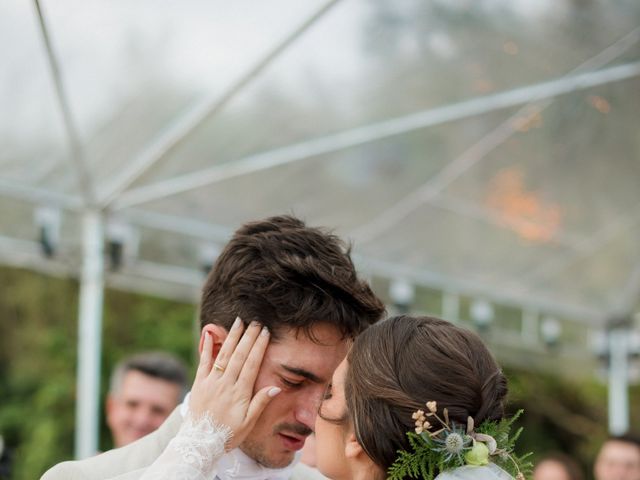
x=218 y=368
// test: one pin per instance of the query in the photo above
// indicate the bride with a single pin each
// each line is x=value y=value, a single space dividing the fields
x=406 y=374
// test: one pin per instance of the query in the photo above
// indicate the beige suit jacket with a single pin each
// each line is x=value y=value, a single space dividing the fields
x=130 y=462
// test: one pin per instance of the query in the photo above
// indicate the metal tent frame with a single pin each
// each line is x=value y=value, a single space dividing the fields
x=121 y=200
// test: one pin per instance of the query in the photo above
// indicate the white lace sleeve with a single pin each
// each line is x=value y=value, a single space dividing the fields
x=193 y=453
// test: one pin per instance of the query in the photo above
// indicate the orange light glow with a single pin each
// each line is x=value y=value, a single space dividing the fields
x=510 y=48
x=600 y=104
x=481 y=85
x=523 y=211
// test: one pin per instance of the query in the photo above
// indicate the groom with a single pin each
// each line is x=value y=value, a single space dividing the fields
x=299 y=282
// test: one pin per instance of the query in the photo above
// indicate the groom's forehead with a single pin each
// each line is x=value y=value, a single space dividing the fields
x=296 y=350
x=321 y=334
x=302 y=345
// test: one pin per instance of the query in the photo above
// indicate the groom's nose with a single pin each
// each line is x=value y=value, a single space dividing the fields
x=307 y=407
x=306 y=416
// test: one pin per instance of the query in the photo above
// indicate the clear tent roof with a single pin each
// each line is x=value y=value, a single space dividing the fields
x=485 y=147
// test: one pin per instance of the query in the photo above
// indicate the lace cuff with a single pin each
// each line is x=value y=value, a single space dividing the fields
x=193 y=453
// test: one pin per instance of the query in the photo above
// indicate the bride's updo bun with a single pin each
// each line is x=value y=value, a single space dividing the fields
x=399 y=364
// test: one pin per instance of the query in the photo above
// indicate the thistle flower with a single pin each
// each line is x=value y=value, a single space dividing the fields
x=452 y=443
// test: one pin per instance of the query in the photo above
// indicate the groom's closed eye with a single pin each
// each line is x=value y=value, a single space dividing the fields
x=301 y=372
x=291 y=383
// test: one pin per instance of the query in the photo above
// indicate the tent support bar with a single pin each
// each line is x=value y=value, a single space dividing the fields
x=586 y=75
x=179 y=130
x=503 y=293
x=89 y=336
x=171 y=280
x=369 y=133
x=618 y=381
x=630 y=294
x=39 y=196
x=85 y=184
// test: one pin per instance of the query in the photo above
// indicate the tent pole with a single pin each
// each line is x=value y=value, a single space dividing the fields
x=618 y=404
x=89 y=336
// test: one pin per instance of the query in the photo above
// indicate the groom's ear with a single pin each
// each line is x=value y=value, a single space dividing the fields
x=218 y=333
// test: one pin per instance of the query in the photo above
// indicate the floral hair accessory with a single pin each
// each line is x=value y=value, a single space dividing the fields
x=453 y=445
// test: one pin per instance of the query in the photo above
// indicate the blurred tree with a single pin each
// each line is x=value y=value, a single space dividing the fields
x=38 y=343
x=563 y=414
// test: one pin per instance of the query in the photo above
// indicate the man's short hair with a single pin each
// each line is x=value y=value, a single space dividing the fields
x=160 y=365
x=629 y=437
x=286 y=275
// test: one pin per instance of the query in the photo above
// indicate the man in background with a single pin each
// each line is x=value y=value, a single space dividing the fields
x=618 y=459
x=557 y=466
x=144 y=390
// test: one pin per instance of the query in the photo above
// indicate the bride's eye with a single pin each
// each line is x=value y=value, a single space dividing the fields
x=327 y=393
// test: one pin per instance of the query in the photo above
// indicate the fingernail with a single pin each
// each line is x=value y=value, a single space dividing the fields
x=264 y=332
x=236 y=322
x=255 y=324
x=274 y=391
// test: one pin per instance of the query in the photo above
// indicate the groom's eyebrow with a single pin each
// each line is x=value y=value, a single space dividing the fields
x=301 y=372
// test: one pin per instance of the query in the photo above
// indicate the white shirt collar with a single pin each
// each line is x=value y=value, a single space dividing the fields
x=237 y=465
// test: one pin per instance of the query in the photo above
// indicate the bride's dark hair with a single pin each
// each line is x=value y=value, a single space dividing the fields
x=397 y=365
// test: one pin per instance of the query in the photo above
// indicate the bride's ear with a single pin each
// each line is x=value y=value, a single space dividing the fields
x=359 y=460
x=352 y=449
x=218 y=333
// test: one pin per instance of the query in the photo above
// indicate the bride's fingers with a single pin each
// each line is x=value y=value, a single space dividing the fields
x=253 y=412
x=251 y=367
x=206 y=356
x=259 y=402
x=229 y=345
x=241 y=353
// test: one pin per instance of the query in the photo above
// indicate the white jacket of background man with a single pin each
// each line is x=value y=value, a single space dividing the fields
x=132 y=461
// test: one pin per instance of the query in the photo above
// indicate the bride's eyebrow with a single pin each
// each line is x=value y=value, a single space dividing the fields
x=301 y=372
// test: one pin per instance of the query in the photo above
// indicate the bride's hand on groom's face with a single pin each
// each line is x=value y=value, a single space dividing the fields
x=224 y=388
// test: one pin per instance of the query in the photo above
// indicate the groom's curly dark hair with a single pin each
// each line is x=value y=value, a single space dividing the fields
x=287 y=275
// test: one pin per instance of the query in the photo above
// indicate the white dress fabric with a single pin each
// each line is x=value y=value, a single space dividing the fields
x=470 y=472
x=193 y=454
x=197 y=452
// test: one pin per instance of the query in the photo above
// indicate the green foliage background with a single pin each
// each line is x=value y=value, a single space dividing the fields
x=38 y=341
x=38 y=344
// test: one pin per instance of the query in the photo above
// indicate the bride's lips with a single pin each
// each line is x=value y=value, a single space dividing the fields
x=292 y=441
